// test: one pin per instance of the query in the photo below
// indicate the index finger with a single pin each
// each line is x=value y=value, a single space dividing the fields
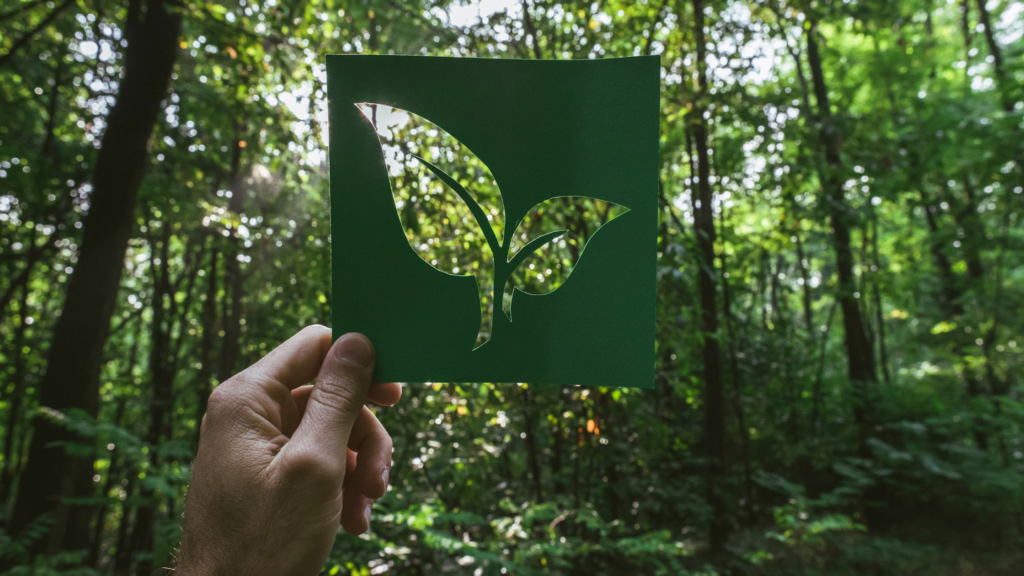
x=295 y=362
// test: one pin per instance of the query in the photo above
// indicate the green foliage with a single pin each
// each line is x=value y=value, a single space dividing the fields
x=493 y=479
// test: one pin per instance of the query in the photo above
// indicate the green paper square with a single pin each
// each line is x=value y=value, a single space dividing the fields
x=545 y=129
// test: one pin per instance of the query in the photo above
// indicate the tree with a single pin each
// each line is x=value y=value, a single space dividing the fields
x=72 y=377
x=859 y=356
x=704 y=226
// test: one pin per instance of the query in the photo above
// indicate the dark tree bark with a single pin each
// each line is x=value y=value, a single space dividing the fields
x=531 y=444
x=758 y=300
x=231 y=347
x=803 y=264
x=163 y=362
x=159 y=384
x=965 y=27
x=734 y=372
x=816 y=388
x=993 y=48
x=883 y=352
x=860 y=364
x=1005 y=88
x=207 y=353
x=966 y=217
x=773 y=289
x=951 y=291
x=713 y=439
x=123 y=552
x=113 y=473
x=531 y=30
x=557 y=449
x=972 y=234
x=72 y=376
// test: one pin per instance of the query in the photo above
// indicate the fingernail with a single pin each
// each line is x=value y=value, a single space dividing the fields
x=367 y=514
x=385 y=475
x=355 y=349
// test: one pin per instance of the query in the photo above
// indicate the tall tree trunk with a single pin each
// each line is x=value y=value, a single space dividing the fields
x=734 y=372
x=123 y=547
x=72 y=376
x=773 y=288
x=165 y=354
x=713 y=439
x=113 y=473
x=804 y=264
x=974 y=234
x=993 y=48
x=558 y=440
x=160 y=383
x=883 y=353
x=231 y=346
x=1005 y=95
x=531 y=444
x=951 y=291
x=207 y=353
x=860 y=364
x=816 y=388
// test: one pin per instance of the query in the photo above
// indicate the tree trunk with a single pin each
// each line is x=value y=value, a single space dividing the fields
x=773 y=288
x=531 y=445
x=993 y=48
x=883 y=353
x=113 y=474
x=974 y=234
x=161 y=381
x=713 y=439
x=951 y=291
x=164 y=366
x=806 y=292
x=734 y=370
x=123 y=551
x=860 y=364
x=72 y=376
x=207 y=353
x=816 y=388
x=558 y=440
x=231 y=347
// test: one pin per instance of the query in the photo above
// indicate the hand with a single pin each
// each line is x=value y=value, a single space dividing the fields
x=280 y=464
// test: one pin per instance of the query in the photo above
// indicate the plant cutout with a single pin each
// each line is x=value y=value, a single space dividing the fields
x=536 y=256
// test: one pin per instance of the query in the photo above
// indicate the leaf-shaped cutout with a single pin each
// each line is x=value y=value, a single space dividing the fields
x=431 y=171
x=443 y=193
x=404 y=135
x=550 y=240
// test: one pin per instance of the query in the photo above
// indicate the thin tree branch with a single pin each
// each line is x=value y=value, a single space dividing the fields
x=15 y=12
x=654 y=28
x=28 y=35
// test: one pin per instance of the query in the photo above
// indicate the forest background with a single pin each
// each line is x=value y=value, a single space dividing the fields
x=840 y=287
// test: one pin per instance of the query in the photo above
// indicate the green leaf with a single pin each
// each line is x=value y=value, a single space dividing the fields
x=542 y=259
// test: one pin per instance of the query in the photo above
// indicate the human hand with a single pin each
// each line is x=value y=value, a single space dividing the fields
x=280 y=464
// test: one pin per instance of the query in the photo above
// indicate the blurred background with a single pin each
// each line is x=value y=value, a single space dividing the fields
x=839 y=287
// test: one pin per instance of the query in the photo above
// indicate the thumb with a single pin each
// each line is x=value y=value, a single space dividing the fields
x=337 y=399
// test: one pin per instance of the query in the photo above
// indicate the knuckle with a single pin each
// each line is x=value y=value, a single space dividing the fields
x=309 y=466
x=314 y=329
x=340 y=394
x=220 y=399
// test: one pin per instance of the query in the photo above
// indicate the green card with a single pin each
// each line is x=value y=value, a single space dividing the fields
x=496 y=220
